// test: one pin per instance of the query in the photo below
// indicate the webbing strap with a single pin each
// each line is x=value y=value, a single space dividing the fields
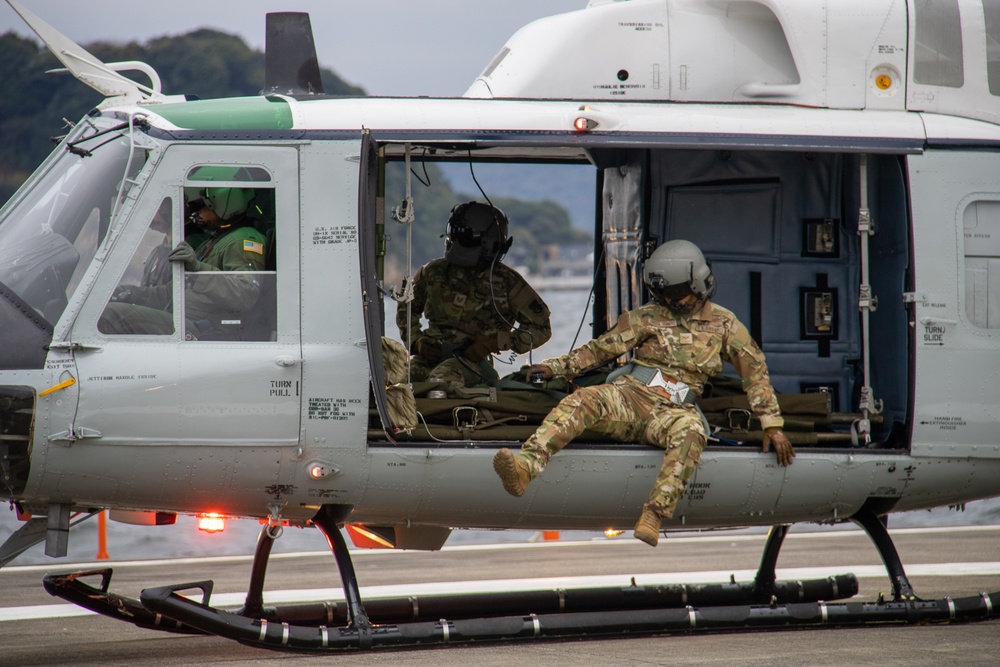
x=755 y=307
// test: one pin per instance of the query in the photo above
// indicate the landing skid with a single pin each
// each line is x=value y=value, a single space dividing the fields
x=555 y=614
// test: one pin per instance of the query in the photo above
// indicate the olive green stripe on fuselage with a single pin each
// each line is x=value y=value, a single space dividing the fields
x=246 y=113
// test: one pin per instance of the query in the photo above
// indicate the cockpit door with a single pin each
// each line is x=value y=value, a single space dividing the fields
x=169 y=355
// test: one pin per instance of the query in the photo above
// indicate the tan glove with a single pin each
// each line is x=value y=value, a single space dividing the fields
x=782 y=446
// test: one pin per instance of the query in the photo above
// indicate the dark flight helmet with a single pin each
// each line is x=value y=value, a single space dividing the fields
x=477 y=234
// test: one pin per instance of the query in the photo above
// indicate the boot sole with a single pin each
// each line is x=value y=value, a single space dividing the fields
x=651 y=540
x=506 y=469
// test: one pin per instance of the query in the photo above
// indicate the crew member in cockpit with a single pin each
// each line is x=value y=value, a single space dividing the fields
x=230 y=243
x=475 y=306
x=679 y=340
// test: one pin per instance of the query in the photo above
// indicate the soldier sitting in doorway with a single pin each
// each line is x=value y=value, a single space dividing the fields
x=679 y=340
x=475 y=306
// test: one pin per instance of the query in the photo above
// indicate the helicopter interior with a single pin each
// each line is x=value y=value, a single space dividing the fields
x=781 y=231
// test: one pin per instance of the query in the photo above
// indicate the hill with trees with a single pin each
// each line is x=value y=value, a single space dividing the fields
x=211 y=64
x=37 y=106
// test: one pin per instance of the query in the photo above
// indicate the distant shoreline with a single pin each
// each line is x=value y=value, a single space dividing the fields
x=559 y=283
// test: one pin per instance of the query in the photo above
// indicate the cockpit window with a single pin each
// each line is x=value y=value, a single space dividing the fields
x=230 y=294
x=213 y=172
x=981 y=227
x=51 y=229
x=143 y=300
x=938 y=56
x=991 y=11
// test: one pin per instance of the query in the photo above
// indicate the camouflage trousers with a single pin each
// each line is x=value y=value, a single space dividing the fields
x=629 y=412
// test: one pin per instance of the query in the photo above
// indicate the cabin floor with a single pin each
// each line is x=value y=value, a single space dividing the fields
x=513 y=409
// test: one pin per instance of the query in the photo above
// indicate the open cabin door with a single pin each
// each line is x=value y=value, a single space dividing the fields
x=205 y=358
x=372 y=244
x=956 y=236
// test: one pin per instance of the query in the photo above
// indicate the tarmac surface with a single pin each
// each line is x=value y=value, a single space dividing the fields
x=37 y=629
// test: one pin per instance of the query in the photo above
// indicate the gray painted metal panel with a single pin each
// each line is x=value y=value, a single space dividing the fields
x=957 y=364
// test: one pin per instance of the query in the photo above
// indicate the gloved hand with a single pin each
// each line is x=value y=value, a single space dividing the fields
x=124 y=294
x=186 y=254
x=481 y=347
x=782 y=446
x=539 y=372
x=428 y=348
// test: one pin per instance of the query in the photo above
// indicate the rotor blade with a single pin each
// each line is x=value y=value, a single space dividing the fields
x=81 y=63
x=290 y=63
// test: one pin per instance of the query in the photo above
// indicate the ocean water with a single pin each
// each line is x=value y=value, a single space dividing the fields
x=569 y=310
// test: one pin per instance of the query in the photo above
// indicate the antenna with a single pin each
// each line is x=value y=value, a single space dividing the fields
x=290 y=63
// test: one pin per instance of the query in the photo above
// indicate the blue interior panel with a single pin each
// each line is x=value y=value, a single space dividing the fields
x=751 y=213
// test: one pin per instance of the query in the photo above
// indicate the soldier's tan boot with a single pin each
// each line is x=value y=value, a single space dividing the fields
x=513 y=472
x=647 y=528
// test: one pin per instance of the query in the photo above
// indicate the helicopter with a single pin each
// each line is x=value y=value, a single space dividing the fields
x=836 y=163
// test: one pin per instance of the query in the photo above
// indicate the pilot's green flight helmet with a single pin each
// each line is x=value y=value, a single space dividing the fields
x=227 y=202
x=678 y=268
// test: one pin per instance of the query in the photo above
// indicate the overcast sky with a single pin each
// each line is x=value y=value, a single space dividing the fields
x=388 y=47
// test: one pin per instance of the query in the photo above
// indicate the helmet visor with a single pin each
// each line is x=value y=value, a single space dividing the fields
x=673 y=292
x=465 y=236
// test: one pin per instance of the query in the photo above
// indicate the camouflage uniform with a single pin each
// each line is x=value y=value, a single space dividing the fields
x=688 y=349
x=460 y=307
x=209 y=298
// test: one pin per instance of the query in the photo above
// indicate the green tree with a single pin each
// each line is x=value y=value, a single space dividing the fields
x=211 y=64
x=532 y=224
x=203 y=63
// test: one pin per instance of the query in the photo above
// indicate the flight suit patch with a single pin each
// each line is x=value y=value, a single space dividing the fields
x=253 y=246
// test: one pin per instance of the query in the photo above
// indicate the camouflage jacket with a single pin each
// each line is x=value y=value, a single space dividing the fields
x=690 y=349
x=459 y=306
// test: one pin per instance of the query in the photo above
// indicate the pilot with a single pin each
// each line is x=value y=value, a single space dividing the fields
x=230 y=243
x=475 y=306
x=679 y=340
